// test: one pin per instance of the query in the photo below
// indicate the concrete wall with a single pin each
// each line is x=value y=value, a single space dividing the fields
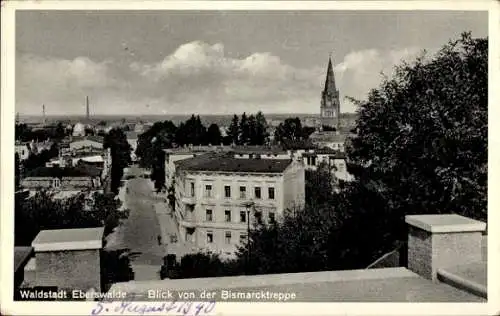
x=294 y=186
x=77 y=269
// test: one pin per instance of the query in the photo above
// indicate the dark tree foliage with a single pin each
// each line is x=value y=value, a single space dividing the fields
x=233 y=131
x=421 y=144
x=244 y=133
x=260 y=134
x=116 y=267
x=120 y=149
x=319 y=185
x=214 y=136
x=25 y=133
x=191 y=132
x=42 y=212
x=202 y=265
x=307 y=131
x=35 y=160
x=158 y=169
x=164 y=136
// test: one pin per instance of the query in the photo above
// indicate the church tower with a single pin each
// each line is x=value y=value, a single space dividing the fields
x=330 y=103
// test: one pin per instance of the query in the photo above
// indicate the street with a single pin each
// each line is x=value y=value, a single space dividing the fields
x=139 y=233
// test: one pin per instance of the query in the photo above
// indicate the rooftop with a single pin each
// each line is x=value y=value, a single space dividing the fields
x=68 y=239
x=328 y=136
x=56 y=172
x=373 y=285
x=258 y=149
x=98 y=139
x=225 y=163
x=132 y=134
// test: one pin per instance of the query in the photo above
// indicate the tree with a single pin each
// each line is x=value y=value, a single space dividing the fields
x=307 y=131
x=244 y=130
x=233 y=131
x=289 y=131
x=158 y=170
x=214 y=136
x=319 y=185
x=260 y=134
x=421 y=144
x=36 y=160
x=191 y=132
x=120 y=149
x=164 y=134
x=42 y=212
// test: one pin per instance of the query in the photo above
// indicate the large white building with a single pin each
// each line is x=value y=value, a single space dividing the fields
x=216 y=194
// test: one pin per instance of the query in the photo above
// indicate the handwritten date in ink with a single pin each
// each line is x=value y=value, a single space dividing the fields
x=159 y=308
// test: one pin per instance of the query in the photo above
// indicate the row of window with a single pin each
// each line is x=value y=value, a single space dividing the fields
x=227 y=237
x=209 y=216
x=209 y=192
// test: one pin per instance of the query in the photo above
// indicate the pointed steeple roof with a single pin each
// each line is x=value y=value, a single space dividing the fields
x=330 y=87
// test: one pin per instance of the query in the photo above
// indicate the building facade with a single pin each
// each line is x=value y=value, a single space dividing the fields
x=332 y=158
x=217 y=198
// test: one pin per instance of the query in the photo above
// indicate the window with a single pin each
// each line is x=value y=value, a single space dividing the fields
x=209 y=216
x=243 y=238
x=341 y=167
x=243 y=192
x=258 y=217
x=191 y=192
x=227 y=215
x=208 y=190
x=228 y=237
x=227 y=191
x=257 y=192
x=210 y=237
x=313 y=161
x=57 y=183
x=270 y=192
x=243 y=216
x=272 y=218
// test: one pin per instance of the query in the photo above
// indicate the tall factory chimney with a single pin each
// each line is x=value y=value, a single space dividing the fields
x=87 y=108
x=43 y=115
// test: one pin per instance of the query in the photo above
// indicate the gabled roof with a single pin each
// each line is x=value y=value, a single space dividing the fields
x=257 y=150
x=328 y=136
x=226 y=163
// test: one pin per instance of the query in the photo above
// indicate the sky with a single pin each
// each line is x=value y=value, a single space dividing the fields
x=216 y=62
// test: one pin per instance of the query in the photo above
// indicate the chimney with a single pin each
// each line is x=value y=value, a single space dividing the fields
x=43 y=114
x=87 y=108
x=440 y=241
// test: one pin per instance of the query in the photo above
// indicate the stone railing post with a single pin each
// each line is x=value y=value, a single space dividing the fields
x=439 y=241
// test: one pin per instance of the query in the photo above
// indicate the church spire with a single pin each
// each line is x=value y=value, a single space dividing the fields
x=330 y=87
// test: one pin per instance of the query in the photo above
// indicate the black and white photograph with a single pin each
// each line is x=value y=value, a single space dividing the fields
x=170 y=161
